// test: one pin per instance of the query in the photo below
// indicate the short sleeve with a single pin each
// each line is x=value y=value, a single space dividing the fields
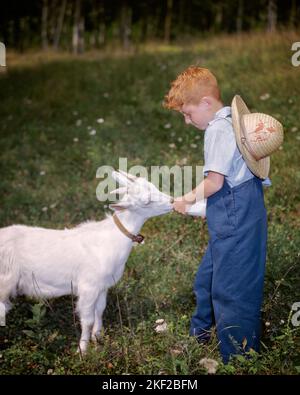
x=219 y=149
x=267 y=182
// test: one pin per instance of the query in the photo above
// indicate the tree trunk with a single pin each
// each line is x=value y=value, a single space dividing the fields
x=125 y=25
x=102 y=27
x=144 y=22
x=76 y=27
x=45 y=25
x=239 y=19
x=59 y=24
x=293 y=15
x=219 y=17
x=272 y=16
x=168 y=22
x=81 y=35
x=181 y=22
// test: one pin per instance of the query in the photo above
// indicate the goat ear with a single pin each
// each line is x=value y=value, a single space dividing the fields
x=120 y=178
x=129 y=176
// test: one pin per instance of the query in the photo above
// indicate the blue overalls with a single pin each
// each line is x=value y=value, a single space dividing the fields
x=230 y=278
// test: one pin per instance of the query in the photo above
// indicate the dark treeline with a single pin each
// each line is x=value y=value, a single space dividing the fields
x=78 y=25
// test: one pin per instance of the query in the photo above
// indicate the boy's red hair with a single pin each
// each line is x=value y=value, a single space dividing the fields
x=190 y=86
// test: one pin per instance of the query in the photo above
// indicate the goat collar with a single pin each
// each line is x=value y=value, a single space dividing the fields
x=135 y=238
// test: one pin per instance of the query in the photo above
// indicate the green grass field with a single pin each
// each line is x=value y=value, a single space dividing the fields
x=49 y=105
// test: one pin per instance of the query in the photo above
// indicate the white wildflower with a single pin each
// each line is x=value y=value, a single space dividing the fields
x=75 y=112
x=162 y=372
x=193 y=145
x=267 y=323
x=167 y=126
x=161 y=325
x=209 y=364
x=179 y=139
x=176 y=351
x=161 y=328
x=78 y=122
x=294 y=129
x=75 y=139
x=100 y=120
x=172 y=145
x=44 y=209
x=128 y=122
x=106 y=95
x=265 y=96
x=93 y=132
x=42 y=173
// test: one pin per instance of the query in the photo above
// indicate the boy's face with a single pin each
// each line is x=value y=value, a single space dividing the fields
x=197 y=115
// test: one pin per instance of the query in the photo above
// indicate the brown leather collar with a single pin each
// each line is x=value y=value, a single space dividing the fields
x=135 y=238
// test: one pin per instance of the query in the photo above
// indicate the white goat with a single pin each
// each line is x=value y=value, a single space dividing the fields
x=85 y=260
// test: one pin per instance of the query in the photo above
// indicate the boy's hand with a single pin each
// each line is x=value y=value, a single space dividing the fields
x=180 y=205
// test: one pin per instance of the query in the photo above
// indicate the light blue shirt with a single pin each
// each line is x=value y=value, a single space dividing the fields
x=221 y=153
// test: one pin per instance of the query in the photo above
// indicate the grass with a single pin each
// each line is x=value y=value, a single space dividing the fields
x=48 y=178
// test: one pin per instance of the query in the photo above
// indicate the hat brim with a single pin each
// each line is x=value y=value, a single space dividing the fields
x=260 y=167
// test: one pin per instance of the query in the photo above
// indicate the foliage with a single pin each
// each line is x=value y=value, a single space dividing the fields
x=48 y=166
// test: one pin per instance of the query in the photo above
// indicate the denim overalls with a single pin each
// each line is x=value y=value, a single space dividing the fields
x=230 y=278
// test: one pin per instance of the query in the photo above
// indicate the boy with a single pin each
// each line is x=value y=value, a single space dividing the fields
x=229 y=281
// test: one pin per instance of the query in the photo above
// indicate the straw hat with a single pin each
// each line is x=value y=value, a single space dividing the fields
x=257 y=135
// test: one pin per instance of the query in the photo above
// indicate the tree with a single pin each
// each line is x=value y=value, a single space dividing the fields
x=168 y=22
x=239 y=19
x=44 y=25
x=293 y=14
x=272 y=16
x=59 y=26
x=125 y=24
x=78 y=29
x=101 y=24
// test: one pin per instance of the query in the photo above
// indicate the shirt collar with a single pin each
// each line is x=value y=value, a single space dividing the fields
x=222 y=113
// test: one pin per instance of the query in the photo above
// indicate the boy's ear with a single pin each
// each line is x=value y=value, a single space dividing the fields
x=206 y=100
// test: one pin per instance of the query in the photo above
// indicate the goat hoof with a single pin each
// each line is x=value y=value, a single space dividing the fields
x=82 y=348
x=96 y=346
x=80 y=353
x=96 y=337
